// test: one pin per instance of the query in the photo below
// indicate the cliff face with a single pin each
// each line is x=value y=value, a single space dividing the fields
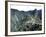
x=26 y=20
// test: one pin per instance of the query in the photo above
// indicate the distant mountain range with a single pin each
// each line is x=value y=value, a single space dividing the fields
x=34 y=12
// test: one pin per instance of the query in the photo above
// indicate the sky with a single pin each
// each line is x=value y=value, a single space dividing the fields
x=25 y=8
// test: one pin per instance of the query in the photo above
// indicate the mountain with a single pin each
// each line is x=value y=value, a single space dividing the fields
x=21 y=19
